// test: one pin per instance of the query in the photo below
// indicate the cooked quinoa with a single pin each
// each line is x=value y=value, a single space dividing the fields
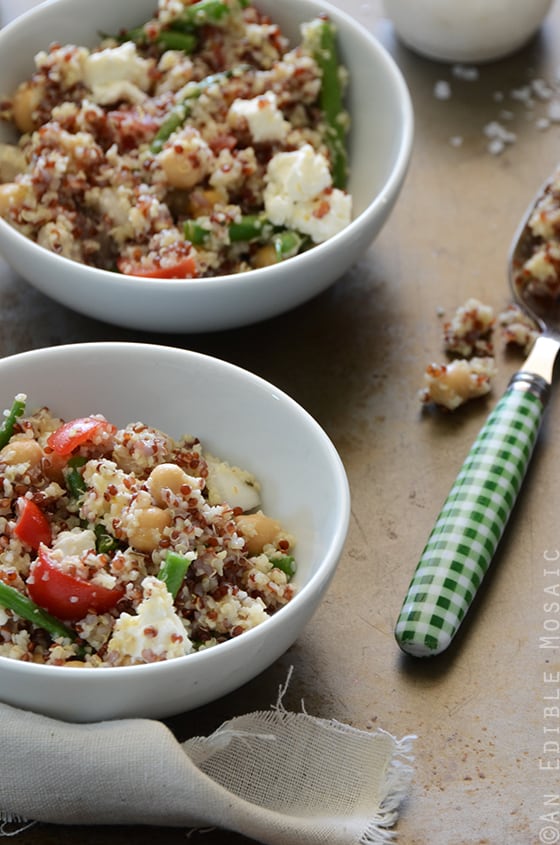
x=190 y=146
x=468 y=333
x=125 y=546
x=451 y=385
x=539 y=269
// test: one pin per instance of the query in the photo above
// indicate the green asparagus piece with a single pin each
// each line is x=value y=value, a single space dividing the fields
x=7 y=427
x=251 y=227
x=325 y=53
x=208 y=12
x=74 y=481
x=195 y=233
x=178 y=115
x=173 y=571
x=104 y=542
x=287 y=243
x=169 y=39
x=27 y=609
x=286 y=563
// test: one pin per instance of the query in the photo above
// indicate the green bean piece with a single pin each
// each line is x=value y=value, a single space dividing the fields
x=104 y=542
x=173 y=571
x=286 y=563
x=325 y=53
x=209 y=12
x=75 y=483
x=287 y=243
x=179 y=113
x=27 y=609
x=168 y=39
x=195 y=233
x=171 y=39
x=10 y=420
x=251 y=227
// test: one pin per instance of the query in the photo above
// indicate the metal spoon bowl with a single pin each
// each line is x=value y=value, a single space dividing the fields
x=473 y=518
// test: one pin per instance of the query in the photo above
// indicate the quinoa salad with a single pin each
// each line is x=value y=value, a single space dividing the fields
x=537 y=270
x=196 y=144
x=124 y=546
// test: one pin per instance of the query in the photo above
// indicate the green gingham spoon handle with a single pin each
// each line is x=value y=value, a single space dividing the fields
x=471 y=523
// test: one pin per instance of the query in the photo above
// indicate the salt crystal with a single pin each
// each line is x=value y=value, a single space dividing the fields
x=495 y=130
x=523 y=95
x=554 y=111
x=542 y=89
x=465 y=72
x=496 y=146
x=542 y=123
x=442 y=90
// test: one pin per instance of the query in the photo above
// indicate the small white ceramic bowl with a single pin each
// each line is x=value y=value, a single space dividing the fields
x=473 y=31
x=244 y=420
x=380 y=147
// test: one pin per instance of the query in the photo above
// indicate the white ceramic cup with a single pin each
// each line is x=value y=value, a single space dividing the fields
x=466 y=30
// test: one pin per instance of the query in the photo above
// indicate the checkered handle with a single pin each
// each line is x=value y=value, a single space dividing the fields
x=470 y=525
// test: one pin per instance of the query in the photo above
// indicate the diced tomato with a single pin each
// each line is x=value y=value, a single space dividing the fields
x=66 y=597
x=32 y=526
x=72 y=434
x=183 y=268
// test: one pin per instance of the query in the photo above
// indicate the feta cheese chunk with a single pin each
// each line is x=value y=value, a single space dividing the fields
x=155 y=633
x=299 y=195
x=117 y=73
x=264 y=118
x=230 y=484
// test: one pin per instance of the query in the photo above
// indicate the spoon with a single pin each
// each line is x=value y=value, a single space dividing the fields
x=471 y=523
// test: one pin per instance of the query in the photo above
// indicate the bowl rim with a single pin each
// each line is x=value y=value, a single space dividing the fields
x=252 y=278
x=318 y=580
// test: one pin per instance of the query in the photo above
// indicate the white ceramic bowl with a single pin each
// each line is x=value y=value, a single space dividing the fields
x=239 y=417
x=473 y=31
x=380 y=147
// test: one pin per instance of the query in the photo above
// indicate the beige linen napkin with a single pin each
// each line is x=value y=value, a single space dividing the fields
x=278 y=777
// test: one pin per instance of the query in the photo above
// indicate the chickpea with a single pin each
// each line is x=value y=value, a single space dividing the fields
x=186 y=159
x=258 y=530
x=264 y=256
x=12 y=195
x=78 y=664
x=53 y=465
x=22 y=451
x=25 y=101
x=165 y=476
x=145 y=526
x=201 y=201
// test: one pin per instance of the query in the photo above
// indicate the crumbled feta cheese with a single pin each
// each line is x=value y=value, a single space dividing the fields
x=230 y=484
x=299 y=195
x=468 y=332
x=442 y=90
x=518 y=328
x=74 y=543
x=266 y=121
x=117 y=73
x=155 y=632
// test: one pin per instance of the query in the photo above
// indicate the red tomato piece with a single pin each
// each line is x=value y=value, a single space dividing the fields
x=183 y=268
x=65 y=596
x=72 y=434
x=32 y=526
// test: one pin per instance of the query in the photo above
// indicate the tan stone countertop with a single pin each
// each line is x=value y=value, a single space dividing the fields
x=487 y=712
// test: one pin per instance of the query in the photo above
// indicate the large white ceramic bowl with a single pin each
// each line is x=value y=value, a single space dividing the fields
x=244 y=420
x=380 y=147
